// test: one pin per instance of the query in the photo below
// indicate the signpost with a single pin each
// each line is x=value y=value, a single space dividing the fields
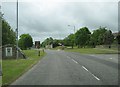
x=37 y=45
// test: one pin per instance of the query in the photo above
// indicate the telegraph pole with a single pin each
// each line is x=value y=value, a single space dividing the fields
x=17 y=30
x=73 y=27
x=73 y=33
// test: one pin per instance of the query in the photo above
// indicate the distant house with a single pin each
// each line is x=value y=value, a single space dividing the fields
x=49 y=46
x=10 y=51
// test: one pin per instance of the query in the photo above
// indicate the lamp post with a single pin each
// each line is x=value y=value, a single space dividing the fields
x=73 y=27
x=74 y=35
x=17 y=28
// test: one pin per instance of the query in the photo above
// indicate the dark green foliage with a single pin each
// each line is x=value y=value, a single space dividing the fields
x=25 y=41
x=82 y=37
x=52 y=41
x=47 y=41
x=98 y=36
x=8 y=35
x=69 y=41
x=108 y=38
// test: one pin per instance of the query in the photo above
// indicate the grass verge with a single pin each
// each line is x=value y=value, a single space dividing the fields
x=12 y=69
x=92 y=51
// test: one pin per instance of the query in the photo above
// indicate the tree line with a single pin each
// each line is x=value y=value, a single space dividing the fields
x=9 y=36
x=84 y=38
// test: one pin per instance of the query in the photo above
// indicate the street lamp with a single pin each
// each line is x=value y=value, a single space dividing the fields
x=73 y=27
x=74 y=35
x=17 y=28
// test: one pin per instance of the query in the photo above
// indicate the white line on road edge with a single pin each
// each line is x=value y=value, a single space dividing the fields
x=84 y=68
x=110 y=58
x=90 y=73
x=74 y=61
x=92 y=55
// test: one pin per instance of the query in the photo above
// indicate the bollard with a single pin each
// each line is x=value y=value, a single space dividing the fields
x=39 y=53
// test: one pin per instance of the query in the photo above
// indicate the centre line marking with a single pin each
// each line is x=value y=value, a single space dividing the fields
x=95 y=77
x=74 y=61
x=68 y=57
x=91 y=73
x=84 y=68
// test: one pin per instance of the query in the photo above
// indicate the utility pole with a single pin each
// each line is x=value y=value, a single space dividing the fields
x=73 y=27
x=73 y=33
x=17 y=29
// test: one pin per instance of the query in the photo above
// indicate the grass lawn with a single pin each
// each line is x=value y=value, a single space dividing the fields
x=12 y=69
x=92 y=51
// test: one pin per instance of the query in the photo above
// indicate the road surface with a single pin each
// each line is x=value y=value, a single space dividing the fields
x=69 y=68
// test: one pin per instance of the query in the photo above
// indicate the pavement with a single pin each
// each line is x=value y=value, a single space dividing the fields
x=70 y=68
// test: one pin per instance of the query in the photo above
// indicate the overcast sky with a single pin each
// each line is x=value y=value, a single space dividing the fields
x=50 y=18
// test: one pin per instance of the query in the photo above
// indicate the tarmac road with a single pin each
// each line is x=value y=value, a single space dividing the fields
x=69 y=68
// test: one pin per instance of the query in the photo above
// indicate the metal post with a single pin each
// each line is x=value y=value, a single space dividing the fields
x=74 y=29
x=74 y=33
x=17 y=30
x=38 y=52
x=72 y=26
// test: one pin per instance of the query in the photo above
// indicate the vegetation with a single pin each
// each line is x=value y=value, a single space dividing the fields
x=92 y=51
x=84 y=38
x=108 y=38
x=118 y=38
x=25 y=41
x=52 y=41
x=8 y=35
x=47 y=41
x=70 y=40
x=12 y=69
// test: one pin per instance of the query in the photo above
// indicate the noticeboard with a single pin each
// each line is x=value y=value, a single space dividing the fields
x=8 y=51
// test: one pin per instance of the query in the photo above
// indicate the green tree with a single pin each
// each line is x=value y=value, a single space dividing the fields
x=25 y=41
x=97 y=37
x=69 y=41
x=47 y=41
x=108 y=38
x=82 y=37
x=8 y=35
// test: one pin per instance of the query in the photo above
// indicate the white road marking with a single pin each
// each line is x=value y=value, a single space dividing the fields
x=68 y=57
x=84 y=68
x=95 y=76
x=58 y=50
x=74 y=61
x=110 y=58
x=90 y=73
x=92 y=55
